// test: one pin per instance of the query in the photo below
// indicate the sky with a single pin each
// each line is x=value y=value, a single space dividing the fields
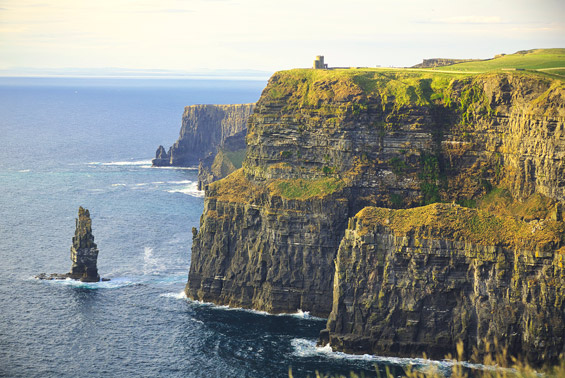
x=201 y=35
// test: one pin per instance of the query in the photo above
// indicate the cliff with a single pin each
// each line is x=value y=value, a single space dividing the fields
x=324 y=144
x=227 y=159
x=204 y=128
x=416 y=281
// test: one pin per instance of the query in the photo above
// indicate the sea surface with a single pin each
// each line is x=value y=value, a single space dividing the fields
x=66 y=143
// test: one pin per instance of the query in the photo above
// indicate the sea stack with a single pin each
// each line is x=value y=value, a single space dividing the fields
x=84 y=252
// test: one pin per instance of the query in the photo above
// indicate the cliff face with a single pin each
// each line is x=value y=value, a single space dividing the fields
x=416 y=281
x=421 y=138
x=228 y=158
x=322 y=145
x=256 y=249
x=204 y=128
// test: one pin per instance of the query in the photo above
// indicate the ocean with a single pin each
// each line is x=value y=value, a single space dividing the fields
x=66 y=143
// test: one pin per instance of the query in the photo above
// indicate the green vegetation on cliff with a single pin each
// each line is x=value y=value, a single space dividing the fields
x=304 y=189
x=445 y=221
x=314 y=88
x=547 y=60
x=238 y=188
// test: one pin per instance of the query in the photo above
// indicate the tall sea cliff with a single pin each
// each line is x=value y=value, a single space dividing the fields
x=204 y=128
x=334 y=156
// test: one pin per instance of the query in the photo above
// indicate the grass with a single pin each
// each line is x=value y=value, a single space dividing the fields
x=347 y=90
x=446 y=221
x=500 y=201
x=543 y=59
x=237 y=188
x=305 y=189
x=236 y=157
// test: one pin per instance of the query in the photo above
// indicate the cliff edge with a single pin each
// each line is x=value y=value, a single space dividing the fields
x=323 y=145
x=204 y=128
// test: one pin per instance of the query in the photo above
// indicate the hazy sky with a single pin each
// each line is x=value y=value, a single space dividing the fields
x=268 y=35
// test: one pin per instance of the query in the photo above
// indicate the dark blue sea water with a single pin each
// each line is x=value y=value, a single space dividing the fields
x=66 y=143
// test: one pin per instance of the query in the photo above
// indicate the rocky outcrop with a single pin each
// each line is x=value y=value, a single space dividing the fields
x=323 y=145
x=204 y=128
x=228 y=158
x=256 y=249
x=417 y=281
x=162 y=158
x=84 y=253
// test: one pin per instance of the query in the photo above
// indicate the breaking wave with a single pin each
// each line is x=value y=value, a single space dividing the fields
x=123 y=163
x=191 y=189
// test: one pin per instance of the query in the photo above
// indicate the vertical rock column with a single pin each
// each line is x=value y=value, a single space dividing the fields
x=84 y=252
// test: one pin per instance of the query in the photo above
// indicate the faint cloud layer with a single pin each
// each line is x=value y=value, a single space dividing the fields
x=467 y=20
x=160 y=11
x=241 y=34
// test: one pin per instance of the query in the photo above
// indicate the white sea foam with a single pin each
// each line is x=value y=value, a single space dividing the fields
x=299 y=314
x=308 y=348
x=24 y=170
x=114 y=283
x=191 y=189
x=303 y=315
x=180 y=295
x=180 y=182
x=118 y=184
x=134 y=163
x=186 y=168
x=151 y=264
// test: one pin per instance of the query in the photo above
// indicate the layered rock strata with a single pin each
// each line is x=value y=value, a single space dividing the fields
x=227 y=159
x=84 y=253
x=204 y=128
x=409 y=282
x=256 y=249
x=322 y=145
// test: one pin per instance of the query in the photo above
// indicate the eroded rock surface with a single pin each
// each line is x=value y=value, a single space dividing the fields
x=417 y=281
x=84 y=252
x=204 y=129
x=323 y=145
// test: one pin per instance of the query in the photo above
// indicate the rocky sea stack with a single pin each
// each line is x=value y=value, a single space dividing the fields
x=84 y=253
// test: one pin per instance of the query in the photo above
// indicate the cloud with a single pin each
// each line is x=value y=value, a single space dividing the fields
x=467 y=20
x=160 y=11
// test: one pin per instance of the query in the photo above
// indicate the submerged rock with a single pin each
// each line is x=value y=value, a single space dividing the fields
x=84 y=253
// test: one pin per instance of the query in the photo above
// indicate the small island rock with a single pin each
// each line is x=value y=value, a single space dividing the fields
x=84 y=253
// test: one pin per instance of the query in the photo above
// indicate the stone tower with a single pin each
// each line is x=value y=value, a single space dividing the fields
x=84 y=252
x=319 y=63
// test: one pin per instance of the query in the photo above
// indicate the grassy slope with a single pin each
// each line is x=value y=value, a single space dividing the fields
x=550 y=61
x=459 y=223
